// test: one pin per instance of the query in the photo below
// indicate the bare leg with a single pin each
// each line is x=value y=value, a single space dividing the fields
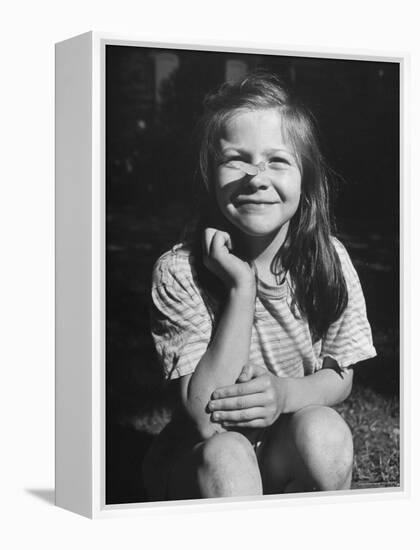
x=224 y=465
x=310 y=450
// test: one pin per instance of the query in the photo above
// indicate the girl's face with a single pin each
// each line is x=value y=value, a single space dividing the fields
x=258 y=181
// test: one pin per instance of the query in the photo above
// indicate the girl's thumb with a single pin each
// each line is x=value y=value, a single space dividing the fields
x=246 y=374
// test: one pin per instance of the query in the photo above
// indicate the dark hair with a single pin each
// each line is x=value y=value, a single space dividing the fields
x=308 y=253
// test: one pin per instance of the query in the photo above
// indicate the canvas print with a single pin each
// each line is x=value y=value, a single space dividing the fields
x=252 y=274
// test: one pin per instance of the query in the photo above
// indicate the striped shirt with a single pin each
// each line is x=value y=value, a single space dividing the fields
x=183 y=317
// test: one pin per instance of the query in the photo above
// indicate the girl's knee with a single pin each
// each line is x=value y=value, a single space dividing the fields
x=325 y=443
x=229 y=466
x=227 y=448
x=318 y=425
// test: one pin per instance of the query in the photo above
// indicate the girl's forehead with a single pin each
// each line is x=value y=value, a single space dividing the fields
x=253 y=117
x=254 y=128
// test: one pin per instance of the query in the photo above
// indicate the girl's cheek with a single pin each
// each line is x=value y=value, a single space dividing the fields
x=222 y=178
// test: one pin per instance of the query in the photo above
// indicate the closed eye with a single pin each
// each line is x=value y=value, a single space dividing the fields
x=230 y=159
x=280 y=160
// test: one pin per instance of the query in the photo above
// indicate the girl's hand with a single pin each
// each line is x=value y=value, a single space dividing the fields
x=218 y=258
x=256 y=401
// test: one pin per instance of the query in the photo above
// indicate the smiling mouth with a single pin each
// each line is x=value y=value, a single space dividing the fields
x=254 y=203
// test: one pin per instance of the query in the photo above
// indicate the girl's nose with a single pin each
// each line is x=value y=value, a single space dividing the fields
x=259 y=181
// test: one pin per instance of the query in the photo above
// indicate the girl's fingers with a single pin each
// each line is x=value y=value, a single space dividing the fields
x=245 y=415
x=256 y=385
x=207 y=239
x=251 y=371
x=258 y=370
x=215 y=242
x=220 y=244
x=237 y=403
x=246 y=374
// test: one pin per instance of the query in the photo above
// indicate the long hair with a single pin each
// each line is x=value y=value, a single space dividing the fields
x=308 y=254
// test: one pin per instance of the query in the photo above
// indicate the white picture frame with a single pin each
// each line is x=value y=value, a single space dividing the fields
x=81 y=272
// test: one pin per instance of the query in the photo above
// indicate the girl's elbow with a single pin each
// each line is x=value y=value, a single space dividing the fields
x=205 y=428
x=200 y=419
x=207 y=431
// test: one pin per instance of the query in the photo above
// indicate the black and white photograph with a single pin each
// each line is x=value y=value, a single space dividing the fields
x=252 y=274
x=209 y=275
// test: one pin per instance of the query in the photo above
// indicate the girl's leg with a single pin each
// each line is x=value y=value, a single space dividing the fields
x=310 y=450
x=225 y=465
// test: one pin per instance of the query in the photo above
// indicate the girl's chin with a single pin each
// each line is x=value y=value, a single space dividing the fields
x=258 y=227
x=258 y=232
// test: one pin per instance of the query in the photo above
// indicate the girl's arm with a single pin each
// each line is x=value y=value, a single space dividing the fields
x=229 y=350
x=328 y=386
x=260 y=401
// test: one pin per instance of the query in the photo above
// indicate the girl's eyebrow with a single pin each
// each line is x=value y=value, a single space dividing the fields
x=278 y=150
x=270 y=151
x=233 y=149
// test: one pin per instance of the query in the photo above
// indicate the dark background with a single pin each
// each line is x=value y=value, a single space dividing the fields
x=150 y=165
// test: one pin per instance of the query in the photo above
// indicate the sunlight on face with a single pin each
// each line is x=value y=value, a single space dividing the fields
x=258 y=181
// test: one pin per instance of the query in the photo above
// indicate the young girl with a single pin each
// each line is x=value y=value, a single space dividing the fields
x=258 y=314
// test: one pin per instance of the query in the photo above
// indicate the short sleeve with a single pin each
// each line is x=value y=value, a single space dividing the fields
x=181 y=323
x=349 y=339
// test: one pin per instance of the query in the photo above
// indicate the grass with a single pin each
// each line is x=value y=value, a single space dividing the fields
x=375 y=424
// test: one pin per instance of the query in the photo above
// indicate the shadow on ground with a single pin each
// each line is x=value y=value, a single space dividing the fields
x=47 y=495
